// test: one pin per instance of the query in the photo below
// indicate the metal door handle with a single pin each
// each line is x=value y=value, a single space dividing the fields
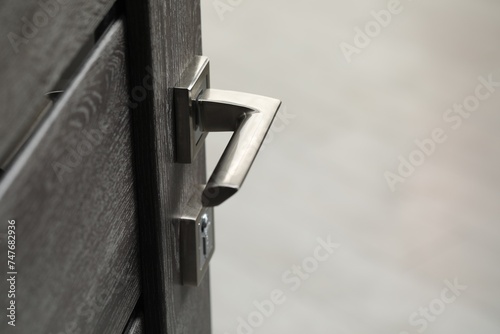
x=200 y=109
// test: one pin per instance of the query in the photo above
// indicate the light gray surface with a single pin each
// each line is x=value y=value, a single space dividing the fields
x=323 y=172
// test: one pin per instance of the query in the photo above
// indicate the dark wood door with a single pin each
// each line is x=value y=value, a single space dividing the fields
x=90 y=178
x=164 y=37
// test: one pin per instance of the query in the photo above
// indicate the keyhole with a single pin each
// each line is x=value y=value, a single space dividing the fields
x=204 y=231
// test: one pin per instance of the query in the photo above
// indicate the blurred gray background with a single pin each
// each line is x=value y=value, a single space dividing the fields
x=343 y=126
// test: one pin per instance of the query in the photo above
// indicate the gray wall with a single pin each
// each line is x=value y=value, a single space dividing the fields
x=344 y=127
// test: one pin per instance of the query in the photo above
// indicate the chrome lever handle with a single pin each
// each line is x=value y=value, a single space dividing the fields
x=200 y=109
x=250 y=117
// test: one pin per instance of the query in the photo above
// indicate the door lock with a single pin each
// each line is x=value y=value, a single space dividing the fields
x=197 y=239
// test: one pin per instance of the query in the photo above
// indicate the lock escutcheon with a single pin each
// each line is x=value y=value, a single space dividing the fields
x=197 y=240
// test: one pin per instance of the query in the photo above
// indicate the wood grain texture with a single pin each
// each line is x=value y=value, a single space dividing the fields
x=38 y=41
x=72 y=194
x=165 y=36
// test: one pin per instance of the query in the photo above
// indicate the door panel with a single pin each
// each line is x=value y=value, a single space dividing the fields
x=39 y=41
x=71 y=192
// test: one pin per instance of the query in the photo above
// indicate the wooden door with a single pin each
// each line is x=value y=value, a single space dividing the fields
x=90 y=178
